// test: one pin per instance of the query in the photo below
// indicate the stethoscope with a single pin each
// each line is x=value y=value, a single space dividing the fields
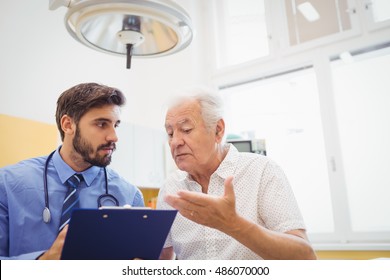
x=104 y=197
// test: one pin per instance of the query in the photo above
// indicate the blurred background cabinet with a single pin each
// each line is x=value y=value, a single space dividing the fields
x=139 y=157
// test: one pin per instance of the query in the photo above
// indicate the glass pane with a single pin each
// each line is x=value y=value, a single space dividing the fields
x=380 y=10
x=242 y=32
x=362 y=105
x=285 y=113
x=309 y=20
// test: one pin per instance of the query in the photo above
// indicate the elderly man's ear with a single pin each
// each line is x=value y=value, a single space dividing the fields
x=220 y=130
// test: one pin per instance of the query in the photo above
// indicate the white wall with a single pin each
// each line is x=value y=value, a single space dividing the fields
x=39 y=60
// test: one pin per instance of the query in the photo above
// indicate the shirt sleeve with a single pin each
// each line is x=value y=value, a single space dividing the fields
x=277 y=204
x=138 y=200
x=4 y=226
x=28 y=256
x=161 y=204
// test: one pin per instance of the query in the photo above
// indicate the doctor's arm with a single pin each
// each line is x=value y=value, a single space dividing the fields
x=220 y=213
x=4 y=237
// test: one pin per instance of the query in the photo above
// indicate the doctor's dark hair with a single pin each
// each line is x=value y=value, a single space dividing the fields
x=78 y=100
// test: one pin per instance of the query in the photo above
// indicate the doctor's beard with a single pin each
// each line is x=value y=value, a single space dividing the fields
x=85 y=149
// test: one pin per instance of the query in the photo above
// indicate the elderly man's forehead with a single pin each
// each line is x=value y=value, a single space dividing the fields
x=179 y=120
x=183 y=116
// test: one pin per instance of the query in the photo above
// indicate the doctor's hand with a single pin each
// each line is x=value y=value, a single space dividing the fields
x=54 y=252
x=215 y=212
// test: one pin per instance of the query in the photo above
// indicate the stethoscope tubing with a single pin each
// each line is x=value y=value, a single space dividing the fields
x=46 y=211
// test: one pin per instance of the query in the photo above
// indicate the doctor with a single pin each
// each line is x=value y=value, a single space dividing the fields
x=32 y=192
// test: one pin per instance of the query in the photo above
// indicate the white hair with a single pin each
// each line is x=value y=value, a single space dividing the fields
x=210 y=101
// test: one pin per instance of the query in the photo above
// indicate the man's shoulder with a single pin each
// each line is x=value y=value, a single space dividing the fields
x=176 y=180
x=113 y=175
x=31 y=163
x=22 y=174
x=246 y=159
x=177 y=175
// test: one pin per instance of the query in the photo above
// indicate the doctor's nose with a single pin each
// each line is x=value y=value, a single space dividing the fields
x=112 y=136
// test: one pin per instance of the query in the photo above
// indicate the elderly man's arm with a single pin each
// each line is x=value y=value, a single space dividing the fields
x=270 y=244
x=220 y=213
x=167 y=253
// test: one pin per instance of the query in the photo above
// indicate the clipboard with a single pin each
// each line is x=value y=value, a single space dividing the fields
x=117 y=234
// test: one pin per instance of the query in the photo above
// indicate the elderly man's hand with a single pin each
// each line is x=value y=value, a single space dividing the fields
x=216 y=212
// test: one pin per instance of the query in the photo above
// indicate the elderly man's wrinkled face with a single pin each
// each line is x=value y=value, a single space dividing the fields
x=193 y=146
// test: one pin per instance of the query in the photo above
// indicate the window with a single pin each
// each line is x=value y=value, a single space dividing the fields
x=319 y=105
x=284 y=111
x=380 y=10
x=362 y=102
x=314 y=19
x=377 y=13
x=242 y=31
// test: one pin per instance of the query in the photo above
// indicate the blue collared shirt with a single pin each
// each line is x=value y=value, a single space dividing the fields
x=23 y=233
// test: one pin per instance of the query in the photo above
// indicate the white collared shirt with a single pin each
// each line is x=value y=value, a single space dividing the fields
x=263 y=196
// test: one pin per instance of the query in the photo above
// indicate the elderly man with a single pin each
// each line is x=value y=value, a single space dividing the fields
x=232 y=205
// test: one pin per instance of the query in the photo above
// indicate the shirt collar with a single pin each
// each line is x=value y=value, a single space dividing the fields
x=65 y=171
x=227 y=166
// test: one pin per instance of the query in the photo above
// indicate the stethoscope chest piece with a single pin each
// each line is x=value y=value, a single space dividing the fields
x=46 y=215
x=46 y=211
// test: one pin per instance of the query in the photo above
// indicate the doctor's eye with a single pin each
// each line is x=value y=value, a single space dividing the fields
x=101 y=124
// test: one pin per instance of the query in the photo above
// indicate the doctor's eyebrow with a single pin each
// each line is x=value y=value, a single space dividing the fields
x=106 y=120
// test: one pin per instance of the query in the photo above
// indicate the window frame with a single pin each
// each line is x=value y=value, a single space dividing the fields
x=320 y=54
x=367 y=17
